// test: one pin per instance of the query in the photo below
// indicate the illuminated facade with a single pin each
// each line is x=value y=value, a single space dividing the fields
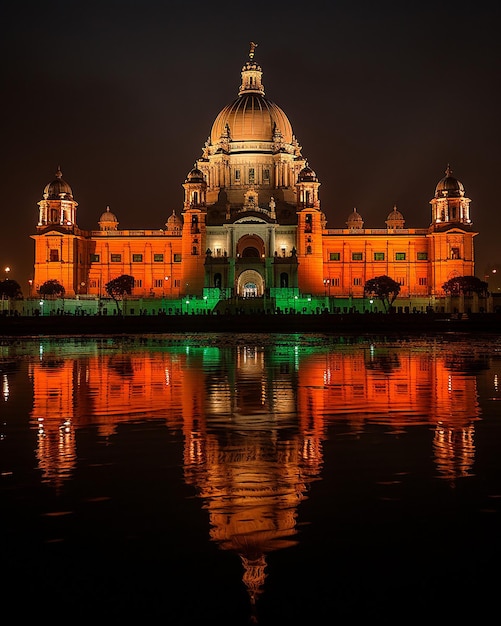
x=252 y=226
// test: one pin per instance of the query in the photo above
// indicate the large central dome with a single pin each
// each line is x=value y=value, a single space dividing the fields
x=251 y=116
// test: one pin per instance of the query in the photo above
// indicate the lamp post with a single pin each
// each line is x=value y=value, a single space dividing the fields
x=5 y=296
x=327 y=285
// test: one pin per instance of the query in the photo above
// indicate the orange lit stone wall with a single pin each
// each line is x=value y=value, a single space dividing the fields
x=182 y=269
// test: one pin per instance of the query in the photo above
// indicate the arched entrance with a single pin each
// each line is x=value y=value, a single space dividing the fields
x=250 y=284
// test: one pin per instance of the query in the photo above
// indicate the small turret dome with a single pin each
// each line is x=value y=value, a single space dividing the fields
x=58 y=189
x=108 y=220
x=174 y=222
x=449 y=186
x=108 y=216
x=395 y=219
x=355 y=220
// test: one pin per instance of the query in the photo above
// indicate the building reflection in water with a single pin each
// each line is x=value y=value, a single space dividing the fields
x=253 y=416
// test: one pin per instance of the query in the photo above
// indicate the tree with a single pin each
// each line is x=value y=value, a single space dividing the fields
x=384 y=288
x=465 y=286
x=10 y=289
x=120 y=287
x=51 y=288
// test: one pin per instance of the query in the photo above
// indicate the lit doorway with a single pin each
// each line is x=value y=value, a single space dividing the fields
x=250 y=284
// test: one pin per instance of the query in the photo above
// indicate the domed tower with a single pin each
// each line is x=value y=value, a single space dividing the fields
x=194 y=230
x=450 y=205
x=59 y=244
x=451 y=233
x=311 y=222
x=58 y=208
x=307 y=189
x=251 y=147
x=108 y=220
x=195 y=189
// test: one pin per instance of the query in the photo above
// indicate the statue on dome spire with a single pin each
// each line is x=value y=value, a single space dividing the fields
x=253 y=46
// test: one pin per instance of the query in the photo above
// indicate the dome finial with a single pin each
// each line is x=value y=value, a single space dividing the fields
x=59 y=174
x=448 y=171
x=253 y=46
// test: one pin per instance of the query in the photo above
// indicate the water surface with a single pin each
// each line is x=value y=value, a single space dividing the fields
x=236 y=479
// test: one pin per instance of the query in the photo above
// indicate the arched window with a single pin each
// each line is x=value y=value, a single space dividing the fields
x=217 y=280
x=284 y=279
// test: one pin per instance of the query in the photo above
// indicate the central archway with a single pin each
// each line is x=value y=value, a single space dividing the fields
x=250 y=284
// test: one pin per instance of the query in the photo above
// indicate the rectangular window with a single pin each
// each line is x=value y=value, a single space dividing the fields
x=335 y=256
x=94 y=258
x=422 y=256
x=158 y=282
x=335 y=282
x=251 y=175
x=138 y=283
x=399 y=256
x=116 y=258
x=378 y=256
x=357 y=281
x=423 y=281
x=455 y=253
x=54 y=255
x=137 y=258
x=93 y=284
x=237 y=175
x=266 y=176
x=357 y=256
x=158 y=258
x=177 y=282
x=308 y=223
x=177 y=258
x=400 y=280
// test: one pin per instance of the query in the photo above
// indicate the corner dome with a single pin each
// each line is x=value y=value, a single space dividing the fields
x=252 y=116
x=58 y=189
x=449 y=186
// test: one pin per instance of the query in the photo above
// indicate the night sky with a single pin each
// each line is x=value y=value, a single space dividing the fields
x=122 y=94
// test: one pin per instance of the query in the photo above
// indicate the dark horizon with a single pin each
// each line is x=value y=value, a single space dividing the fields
x=122 y=96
